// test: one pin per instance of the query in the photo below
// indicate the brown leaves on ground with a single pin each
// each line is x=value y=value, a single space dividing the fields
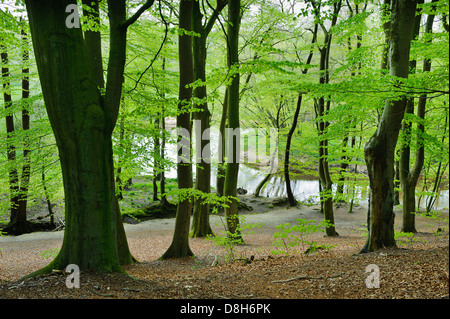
x=403 y=274
x=416 y=270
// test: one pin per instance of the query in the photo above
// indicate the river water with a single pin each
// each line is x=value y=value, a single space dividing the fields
x=303 y=189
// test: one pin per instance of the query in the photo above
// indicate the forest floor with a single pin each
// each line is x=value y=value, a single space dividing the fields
x=418 y=268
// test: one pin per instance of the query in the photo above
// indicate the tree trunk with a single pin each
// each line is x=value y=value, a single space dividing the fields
x=18 y=185
x=261 y=185
x=200 y=222
x=119 y=183
x=232 y=141
x=47 y=199
x=10 y=148
x=221 y=168
x=162 y=181
x=79 y=123
x=22 y=225
x=291 y=198
x=409 y=177
x=385 y=11
x=82 y=122
x=287 y=178
x=322 y=109
x=379 y=151
x=156 y=161
x=180 y=242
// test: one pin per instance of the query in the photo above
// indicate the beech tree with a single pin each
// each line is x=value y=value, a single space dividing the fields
x=200 y=223
x=322 y=107
x=83 y=119
x=179 y=247
x=409 y=176
x=380 y=149
x=232 y=141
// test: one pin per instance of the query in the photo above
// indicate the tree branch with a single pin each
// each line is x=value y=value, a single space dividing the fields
x=138 y=13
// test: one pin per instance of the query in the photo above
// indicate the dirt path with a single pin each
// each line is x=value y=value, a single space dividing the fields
x=164 y=279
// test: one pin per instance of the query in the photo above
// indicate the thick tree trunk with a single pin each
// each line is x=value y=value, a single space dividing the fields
x=180 y=242
x=232 y=141
x=82 y=122
x=379 y=151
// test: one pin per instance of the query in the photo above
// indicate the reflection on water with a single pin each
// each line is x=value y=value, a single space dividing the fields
x=303 y=190
x=308 y=190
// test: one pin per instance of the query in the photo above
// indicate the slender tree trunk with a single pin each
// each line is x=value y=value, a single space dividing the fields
x=180 y=242
x=162 y=181
x=47 y=198
x=156 y=162
x=232 y=141
x=287 y=178
x=10 y=147
x=261 y=185
x=322 y=109
x=200 y=222
x=397 y=183
x=119 y=182
x=23 y=226
x=343 y=166
x=221 y=168
x=385 y=13
x=379 y=151
x=409 y=177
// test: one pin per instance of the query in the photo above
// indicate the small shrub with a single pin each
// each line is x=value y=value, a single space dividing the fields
x=290 y=236
x=49 y=253
x=403 y=238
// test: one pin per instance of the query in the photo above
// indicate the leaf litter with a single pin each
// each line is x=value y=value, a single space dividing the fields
x=414 y=270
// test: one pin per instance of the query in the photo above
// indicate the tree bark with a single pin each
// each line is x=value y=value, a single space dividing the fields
x=22 y=225
x=379 y=151
x=83 y=121
x=200 y=222
x=10 y=147
x=232 y=141
x=322 y=108
x=221 y=168
x=409 y=177
x=291 y=198
x=179 y=247
x=81 y=130
x=287 y=178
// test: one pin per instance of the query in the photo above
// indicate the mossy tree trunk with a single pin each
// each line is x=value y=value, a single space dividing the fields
x=83 y=121
x=380 y=150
